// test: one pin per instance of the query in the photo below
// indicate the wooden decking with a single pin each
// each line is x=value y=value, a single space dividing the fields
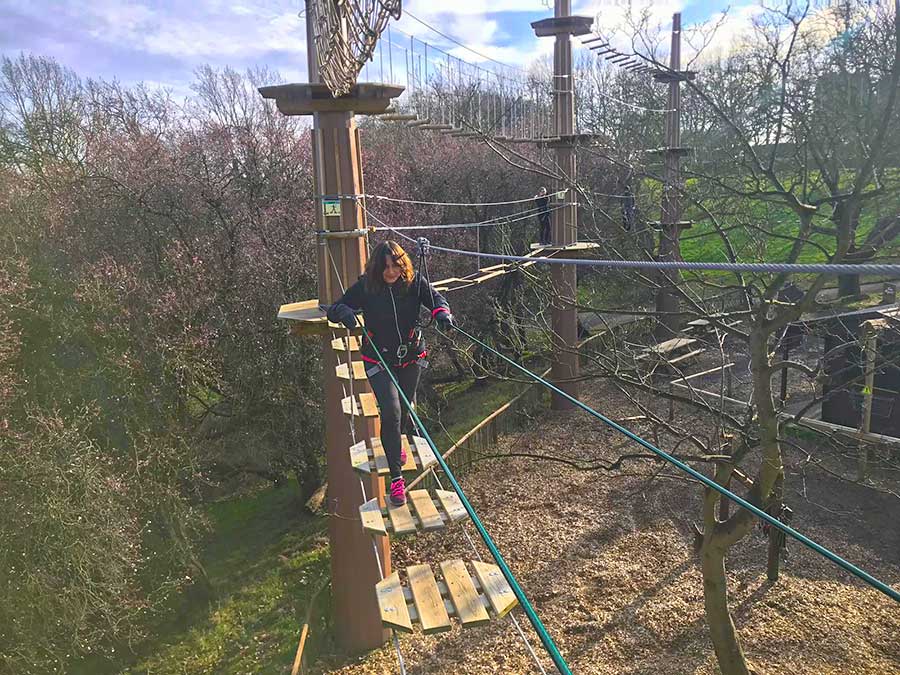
x=421 y=512
x=472 y=593
x=368 y=457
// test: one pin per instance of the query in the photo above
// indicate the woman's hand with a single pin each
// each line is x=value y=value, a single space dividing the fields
x=343 y=314
x=444 y=320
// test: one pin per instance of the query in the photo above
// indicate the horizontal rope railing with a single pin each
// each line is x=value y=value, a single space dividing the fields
x=400 y=200
x=761 y=268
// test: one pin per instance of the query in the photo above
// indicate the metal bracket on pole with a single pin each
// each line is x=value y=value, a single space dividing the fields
x=338 y=234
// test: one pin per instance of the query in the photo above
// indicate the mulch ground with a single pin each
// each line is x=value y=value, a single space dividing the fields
x=607 y=559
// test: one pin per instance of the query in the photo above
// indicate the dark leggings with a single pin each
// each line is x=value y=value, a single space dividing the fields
x=394 y=414
x=544 y=219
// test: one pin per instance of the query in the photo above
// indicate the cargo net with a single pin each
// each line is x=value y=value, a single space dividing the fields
x=346 y=32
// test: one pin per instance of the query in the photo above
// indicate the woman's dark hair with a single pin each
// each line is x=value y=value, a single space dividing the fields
x=375 y=266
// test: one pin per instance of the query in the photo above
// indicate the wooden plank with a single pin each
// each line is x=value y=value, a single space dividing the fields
x=489 y=275
x=349 y=406
x=717 y=369
x=401 y=519
x=339 y=344
x=671 y=345
x=381 y=463
x=392 y=604
x=462 y=593
x=359 y=457
x=369 y=404
x=364 y=406
x=426 y=455
x=495 y=587
x=683 y=357
x=425 y=509
x=307 y=310
x=410 y=464
x=427 y=598
x=372 y=520
x=359 y=371
x=452 y=504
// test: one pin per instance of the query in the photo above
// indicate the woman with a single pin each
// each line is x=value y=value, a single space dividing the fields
x=542 y=204
x=390 y=294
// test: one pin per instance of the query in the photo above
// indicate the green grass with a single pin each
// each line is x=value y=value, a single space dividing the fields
x=465 y=404
x=265 y=561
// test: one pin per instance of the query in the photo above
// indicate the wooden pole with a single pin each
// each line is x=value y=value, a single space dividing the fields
x=298 y=657
x=667 y=302
x=565 y=367
x=337 y=170
x=725 y=502
x=870 y=345
x=784 y=371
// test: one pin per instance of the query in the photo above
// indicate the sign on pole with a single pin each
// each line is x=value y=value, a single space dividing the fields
x=331 y=207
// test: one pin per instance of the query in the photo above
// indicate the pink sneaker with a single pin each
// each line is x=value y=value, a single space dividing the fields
x=402 y=457
x=398 y=492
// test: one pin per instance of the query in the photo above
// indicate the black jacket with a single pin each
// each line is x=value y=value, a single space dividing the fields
x=390 y=317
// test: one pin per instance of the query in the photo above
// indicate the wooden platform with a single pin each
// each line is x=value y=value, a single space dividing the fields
x=421 y=512
x=472 y=592
x=671 y=346
x=577 y=247
x=486 y=273
x=674 y=351
x=361 y=405
x=307 y=318
x=368 y=457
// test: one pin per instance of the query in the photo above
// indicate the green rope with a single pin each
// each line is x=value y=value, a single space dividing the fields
x=539 y=628
x=850 y=567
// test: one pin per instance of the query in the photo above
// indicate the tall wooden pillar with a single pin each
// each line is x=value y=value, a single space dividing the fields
x=564 y=221
x=341 y=259
x=671 y=223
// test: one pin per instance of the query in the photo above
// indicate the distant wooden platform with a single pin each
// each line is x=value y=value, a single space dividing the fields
x=421 y=512
x=671 y=346
x=472 y=592
x=577 y=247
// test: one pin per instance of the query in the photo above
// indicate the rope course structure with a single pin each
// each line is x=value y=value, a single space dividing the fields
x=496 y=104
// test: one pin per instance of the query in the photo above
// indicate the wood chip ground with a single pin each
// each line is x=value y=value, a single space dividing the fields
x=608 y=561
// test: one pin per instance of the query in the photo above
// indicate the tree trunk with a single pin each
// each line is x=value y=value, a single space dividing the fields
x=721 y=627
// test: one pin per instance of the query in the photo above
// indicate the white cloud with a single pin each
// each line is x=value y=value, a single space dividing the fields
x=208 y=29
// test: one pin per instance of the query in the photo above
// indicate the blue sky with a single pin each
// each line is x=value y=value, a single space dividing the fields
x=162 y=42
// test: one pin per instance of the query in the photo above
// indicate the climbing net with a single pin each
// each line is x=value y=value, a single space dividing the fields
x=345 y=34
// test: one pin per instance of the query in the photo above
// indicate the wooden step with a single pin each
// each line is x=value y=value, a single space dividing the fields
x=421 y=512
x=363 y=405
x=430 y=599
x=683 y=358
x=370 y=458
x=343 y=371
x=340 y=344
